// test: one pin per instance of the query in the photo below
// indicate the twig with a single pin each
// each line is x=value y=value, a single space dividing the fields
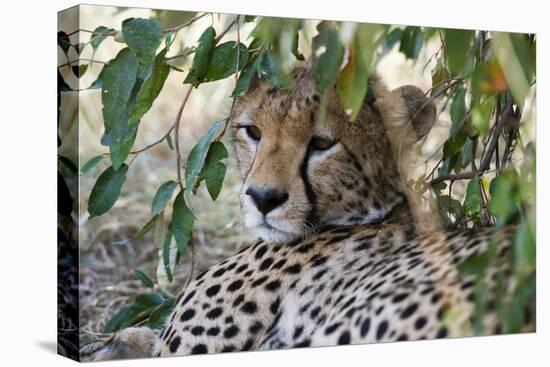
x=221 y=35
x=176 y=133
x=193 y=20
x=75 y=61
x=486 y=159
x=443 y=82
x=237 y=67
x=433 y=170
x=154 y=143
x=80 y=30
x=183 y=54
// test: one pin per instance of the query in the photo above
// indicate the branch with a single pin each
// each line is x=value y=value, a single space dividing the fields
x=443 y=82
x=154 y=143
x=91 y=61
x=486 y=159
x=193 y=20
x=183 y=54
x=218 y=39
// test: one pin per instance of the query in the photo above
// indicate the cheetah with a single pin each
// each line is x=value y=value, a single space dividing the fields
x=340 y=258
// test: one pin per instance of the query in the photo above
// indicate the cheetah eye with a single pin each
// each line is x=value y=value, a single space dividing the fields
x=320 y=143
x=253 y=132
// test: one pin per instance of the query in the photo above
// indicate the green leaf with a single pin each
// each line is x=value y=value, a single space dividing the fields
x=169 y=38
x=454 y=144
x=352 y=81
x=147 y=300
x=477 y=263
x=143 y=37
x=182 y=222
x=144 y=278
x=411 y=42
x=162 y=196
x=122 y=318
x=327 y=56
x=169 y=142
x=62 y=86
x=249 y=18
x=458 y=110
x=118 y=80
x=266 y=29
x=392 y=38
x=457 y=47
x=449 y=207
x=106 y=190
x=214 y=170
x=472 y=201
x=223 y=61
x=139 y=234
x=439 y=75
x=201 y=61
x=79 y=70
x=481 y=115
x=467 y=152
x=448 y=165
x=159 y=230
x=166 y=253
x=134 y=313
x=88 y=166
x=269 y=68
x=99 y=35
x=121 y=140
x=68 y=164
x=513 y=318
x=438 y=187
x=502 y=204
x=150 y=88
x=63 y=42
x=159 y=315
x=526 y=53
x=525 y=248
x=197 y=156
x=245 y=77
x=294 y=48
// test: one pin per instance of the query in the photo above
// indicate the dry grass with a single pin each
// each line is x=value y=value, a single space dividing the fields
x=106 y=269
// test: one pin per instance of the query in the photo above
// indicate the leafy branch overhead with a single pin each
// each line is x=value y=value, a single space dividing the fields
x=481 y=78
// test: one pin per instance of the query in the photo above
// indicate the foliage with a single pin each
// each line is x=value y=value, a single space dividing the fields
x=484 y=76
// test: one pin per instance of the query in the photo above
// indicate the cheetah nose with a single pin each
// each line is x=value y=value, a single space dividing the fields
x=266 y=199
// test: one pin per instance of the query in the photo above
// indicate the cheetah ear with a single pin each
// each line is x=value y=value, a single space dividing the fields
x=421 y=111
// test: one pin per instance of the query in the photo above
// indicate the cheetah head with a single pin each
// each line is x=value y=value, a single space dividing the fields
x=301 y=171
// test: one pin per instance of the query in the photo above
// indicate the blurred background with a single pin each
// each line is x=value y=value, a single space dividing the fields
x=107 y=281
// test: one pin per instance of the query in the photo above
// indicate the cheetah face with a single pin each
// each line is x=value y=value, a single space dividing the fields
x=301 y=171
